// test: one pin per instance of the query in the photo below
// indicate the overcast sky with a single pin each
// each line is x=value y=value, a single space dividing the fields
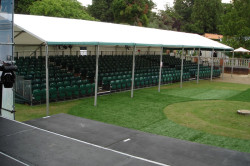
x=160 y=3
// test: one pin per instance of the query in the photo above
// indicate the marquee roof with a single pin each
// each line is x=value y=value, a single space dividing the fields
x=241 y=49
x=36 y=30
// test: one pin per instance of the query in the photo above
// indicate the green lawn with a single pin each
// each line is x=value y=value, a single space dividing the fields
x=189 y=113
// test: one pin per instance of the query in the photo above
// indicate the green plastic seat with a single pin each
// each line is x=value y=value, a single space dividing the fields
x=89 y=89
x=52 y=94
x=61 y=93
x=83 y=91
x=142 y=83
x=73 y=82
x=118 y=84
x=146 y=81
x=58 y=79
x=113 y=85
x=68 y=91
x=128 y=83
x=53 y=84
x=37 y=95
x=123 y=84
x=66 y=83
x=84 y=81
x=36 y=86
x=43 y=93
x=137 y=82
x=79 y=82
x=43 y=83
x=52 y=80
x=75 y=91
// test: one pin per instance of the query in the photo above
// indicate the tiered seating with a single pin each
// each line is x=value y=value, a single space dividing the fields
x=63 y=84
x=73 y=76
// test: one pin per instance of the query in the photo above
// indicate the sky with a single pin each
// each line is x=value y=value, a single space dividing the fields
x=160 y=3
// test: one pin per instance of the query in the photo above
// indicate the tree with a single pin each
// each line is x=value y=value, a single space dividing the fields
x=101 y=9
x=133 y=12
x=183 y=11
x=206 y=16
x=236 y=24
x=164 y=20
x=22 y=6
x=60 y=8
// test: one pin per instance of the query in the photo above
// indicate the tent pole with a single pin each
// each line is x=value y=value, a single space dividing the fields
x=47 y=79
x=223 y=65
x=96 y=73
x=212 y=65
x=198 y=70
x=161 y=64
x=182 y=56
x=232 y=63
x=133 y=73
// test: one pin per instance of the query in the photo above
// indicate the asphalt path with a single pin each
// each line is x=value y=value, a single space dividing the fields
x=68 y=140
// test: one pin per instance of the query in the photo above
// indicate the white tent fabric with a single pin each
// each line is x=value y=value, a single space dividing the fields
x=59 y=31
x=241 y=49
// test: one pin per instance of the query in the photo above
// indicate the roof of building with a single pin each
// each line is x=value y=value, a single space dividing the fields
x=213 y=36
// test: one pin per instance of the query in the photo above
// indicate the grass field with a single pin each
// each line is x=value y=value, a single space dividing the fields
x=203 y=113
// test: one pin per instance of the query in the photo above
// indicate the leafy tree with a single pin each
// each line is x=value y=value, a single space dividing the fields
x=206 y=16
x=101 y=9
x=22 y=6
x=236 y=24
x=60 y=8
x=158 y=21
x=133 y=12
x=164 y=20
x=183 y=11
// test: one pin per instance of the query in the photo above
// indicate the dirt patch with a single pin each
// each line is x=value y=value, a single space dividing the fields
x=236 y=78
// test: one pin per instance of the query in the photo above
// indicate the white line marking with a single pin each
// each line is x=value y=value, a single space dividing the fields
x=126 y=140
x=46 y=117
x=14 y=159
x=94 y=145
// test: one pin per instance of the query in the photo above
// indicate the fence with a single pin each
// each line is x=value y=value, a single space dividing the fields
x=237 y=62
x=24 y=88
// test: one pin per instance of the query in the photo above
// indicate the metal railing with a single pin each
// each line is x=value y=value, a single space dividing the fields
x=78 y=53
x=24 y=88
x=237 y=62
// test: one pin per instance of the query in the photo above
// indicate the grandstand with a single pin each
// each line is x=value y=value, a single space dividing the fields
x=58 y=75
x=72 y=77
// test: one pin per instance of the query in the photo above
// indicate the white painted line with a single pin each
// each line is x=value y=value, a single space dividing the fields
x=97 y=146
x=126 y=140
x=14 y=159
x=46 y=117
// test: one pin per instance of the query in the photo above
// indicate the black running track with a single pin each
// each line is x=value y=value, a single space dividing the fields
x=68 y=140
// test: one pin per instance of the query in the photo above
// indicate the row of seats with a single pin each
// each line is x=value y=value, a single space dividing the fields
x=125 y=83
x=62 y=93
x=55 y=84
x=69 y=74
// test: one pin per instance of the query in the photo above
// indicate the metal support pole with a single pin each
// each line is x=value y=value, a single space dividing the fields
x=232 y=64
x=47 y=79
x=161 y=64
x=198 y=70
x=223 y=65
x=133 y=73
x=96 y=73
x=41 y=52
x=1 y=94
x=182 y=56
x=212 y=65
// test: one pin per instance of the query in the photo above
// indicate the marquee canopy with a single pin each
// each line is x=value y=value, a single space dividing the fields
x=241 y=49
x=38 y=30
